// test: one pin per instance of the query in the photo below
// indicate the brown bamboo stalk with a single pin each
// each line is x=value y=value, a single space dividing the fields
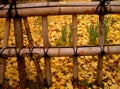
x=46 y=45
x=19 y=43
x=6 y=33
x=36 y=9
x=5 y=44
x=75 y=60
x=36 y=62
x=28 y=32
x=101 y=44
x=60 y=4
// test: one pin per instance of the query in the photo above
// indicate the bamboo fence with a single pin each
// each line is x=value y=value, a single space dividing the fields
x=45 y=9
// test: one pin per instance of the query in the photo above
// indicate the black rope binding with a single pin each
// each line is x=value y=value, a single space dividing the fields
x=102 y=50
x=31 y=52
x=4 y=3
x=101 y=8
x=1 y=53
x=18 y=52
x=11 y=5
x=46 y=53
x=75 y=52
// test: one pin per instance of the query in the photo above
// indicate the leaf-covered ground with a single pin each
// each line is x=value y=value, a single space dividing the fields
x=62 y=67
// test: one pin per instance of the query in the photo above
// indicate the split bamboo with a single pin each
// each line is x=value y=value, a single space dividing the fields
x=58 y=8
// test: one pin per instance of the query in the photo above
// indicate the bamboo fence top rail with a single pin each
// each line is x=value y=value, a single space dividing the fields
x=59 y=8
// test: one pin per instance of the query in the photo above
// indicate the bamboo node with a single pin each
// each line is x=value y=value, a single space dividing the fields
x=74 y=27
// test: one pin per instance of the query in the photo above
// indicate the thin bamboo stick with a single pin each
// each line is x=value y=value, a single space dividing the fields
x=75 y=61
x=46 y=45
x=28 y=32
x=19 y=43
x=5 y=44
x=33 y=9
x=101 y=43
x=65 y=51
x=36 y=62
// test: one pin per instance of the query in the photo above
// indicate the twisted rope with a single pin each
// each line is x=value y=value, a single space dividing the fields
x=101 y=8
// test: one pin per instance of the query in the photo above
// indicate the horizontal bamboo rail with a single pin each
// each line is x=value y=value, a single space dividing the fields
x=63 y=51
x=59 y=8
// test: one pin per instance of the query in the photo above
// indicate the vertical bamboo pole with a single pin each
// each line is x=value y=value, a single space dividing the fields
x=75 y=61
x=19 y=43
x=5 y=44
x=46 y=45
x=36 y=62
x=6 y=33
x=101 y=44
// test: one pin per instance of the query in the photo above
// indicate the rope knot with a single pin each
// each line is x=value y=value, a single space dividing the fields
x=101 y=8
x=11 y=4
